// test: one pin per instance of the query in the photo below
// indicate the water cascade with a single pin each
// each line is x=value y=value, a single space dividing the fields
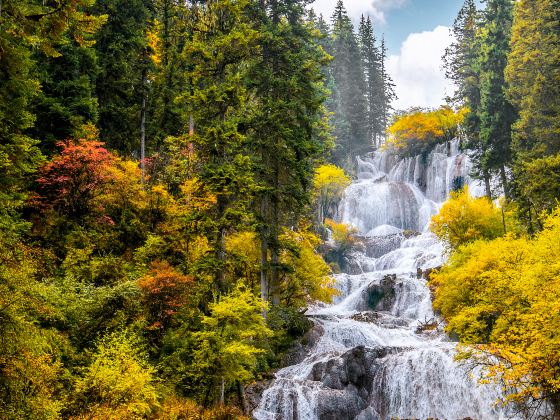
x=373 y=359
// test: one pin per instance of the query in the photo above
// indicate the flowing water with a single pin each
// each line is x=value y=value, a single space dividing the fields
x=372 y=361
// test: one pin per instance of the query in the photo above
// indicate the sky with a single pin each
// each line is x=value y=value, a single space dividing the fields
x=416 y=33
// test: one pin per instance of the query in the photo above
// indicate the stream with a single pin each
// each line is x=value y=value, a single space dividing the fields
x=380 y=351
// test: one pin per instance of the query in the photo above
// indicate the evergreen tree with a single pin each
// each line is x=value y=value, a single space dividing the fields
x=223 y=42
x=533 y=78
x=67 y=99
x=375 y=90
x=121 y=47
x=169 y=34
x=348 y=95
x=462 y=66
x=287 y=127
x=496 y=113
x=389 y=94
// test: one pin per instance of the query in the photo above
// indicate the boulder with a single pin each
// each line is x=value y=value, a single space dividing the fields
x=380 y=296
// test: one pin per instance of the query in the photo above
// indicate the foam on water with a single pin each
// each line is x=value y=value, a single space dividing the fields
x=417 y=376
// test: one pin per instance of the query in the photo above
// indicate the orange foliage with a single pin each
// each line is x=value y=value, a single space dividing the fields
x=71 y=180
x=165 y=290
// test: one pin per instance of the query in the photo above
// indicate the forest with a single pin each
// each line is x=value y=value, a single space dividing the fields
x=171 y=171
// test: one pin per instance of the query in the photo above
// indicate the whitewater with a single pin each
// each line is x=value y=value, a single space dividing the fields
x=381 y=352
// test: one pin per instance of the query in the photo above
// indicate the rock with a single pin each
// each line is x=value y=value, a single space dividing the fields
x=376 y=246
x=380 y=296
x=253 y=394
x=348 y=382
x=382 y=319
x=367 y=316
x=300 y=349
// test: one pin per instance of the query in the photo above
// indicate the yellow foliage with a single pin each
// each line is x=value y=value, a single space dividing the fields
x=504 y=296
x=310 y=277
x=464 y=218
x=342 y=234
x=329 y=184
x=418 y=129
x=119 y=383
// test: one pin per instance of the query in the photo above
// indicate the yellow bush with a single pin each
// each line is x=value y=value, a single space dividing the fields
x=503 y=297
x=464 y=218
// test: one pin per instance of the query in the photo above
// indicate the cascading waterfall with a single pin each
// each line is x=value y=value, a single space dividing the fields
x=372 y=361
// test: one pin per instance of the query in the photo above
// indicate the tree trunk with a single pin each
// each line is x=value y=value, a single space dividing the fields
x=264 y=266
x=143 y=123
x=241 y=396
x=487 y=184
x=222 y=392
x=503 y=176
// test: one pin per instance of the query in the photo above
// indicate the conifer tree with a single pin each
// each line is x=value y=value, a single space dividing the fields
x=287 y=126
x=121 y=87
x=375 y=91
x=348 y=94
x=533 y=79
x=222 y=44
x=462 y=66
x=496 y=113
x=389 y=94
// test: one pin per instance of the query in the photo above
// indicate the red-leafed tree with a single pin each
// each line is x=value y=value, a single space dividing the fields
x=72 y=179
x=165 y=291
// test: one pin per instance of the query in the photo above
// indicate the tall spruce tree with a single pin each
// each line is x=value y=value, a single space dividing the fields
x=121 y=86
x=348 y=95
x=222 y=45
x=389 y=94
x=67 y=99
x=287 y=126
x=375 y=90
x=533 y=77
x=496 y=113
x=462 y=66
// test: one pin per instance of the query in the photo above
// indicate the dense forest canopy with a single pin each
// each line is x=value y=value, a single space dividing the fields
x=170 y=170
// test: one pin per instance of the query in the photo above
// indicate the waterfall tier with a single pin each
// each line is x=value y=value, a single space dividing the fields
x=374 y=359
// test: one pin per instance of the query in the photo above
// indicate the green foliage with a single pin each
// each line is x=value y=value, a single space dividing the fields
x=227 y=347
x=464 y=219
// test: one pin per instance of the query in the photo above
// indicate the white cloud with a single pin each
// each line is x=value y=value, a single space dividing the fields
x=375 y=8
x=417 y=72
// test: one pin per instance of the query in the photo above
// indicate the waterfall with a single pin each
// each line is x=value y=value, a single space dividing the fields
x=372 y=361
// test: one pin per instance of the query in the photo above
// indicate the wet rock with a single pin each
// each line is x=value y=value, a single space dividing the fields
x=380 y=296
x=381 y=319
x=367 y=316
x=253 y=394
x=425 y=274
x=376 y=246
x=356 y=367
x=300 y=349
x=348 y=380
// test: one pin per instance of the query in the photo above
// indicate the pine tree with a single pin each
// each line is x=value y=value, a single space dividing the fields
x=462 y=66
x=533 y=76
x=67 y=100
x=496 y=113
x=348 y=95
x=533 y=79
x=389 y=94
x=220 y=50
x=375 y=92
x=121 y=86
x=287 y=127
